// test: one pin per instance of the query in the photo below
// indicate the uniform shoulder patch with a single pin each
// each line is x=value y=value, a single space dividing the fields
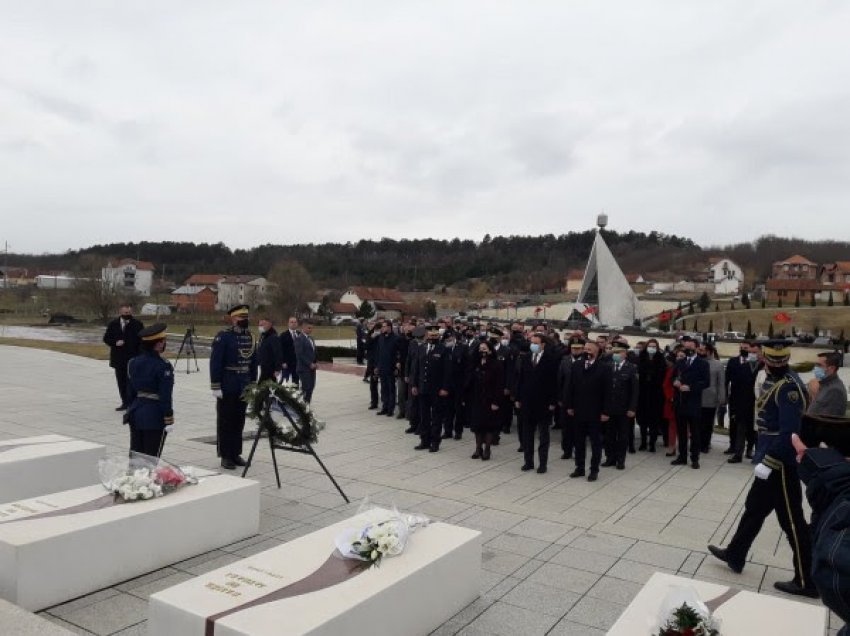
x=793 y=396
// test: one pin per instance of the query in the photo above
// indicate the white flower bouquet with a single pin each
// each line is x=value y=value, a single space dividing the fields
x=142 y=477
x=683 y=613
x=385 y=535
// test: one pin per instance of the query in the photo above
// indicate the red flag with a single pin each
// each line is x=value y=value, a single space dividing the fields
x=538 y=310
x=782 y=317
x=588 y=311
x=664 y=316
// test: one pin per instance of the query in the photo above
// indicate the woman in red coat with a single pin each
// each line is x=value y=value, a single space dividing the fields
x=488 y=390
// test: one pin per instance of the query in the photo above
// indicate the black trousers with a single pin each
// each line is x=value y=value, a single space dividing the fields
x=616 y=437
x=506 y=414
x=568 y=431
x=147 y=442
x=373 y=389
x=431 y=419
x=780 y=493
x=121 y=378
x=230 y=420
x=289 y=375
x=452 y=425
x=685 y=426
x=538 y=422
x=401 y=396
x=741 y=427
x=388 y=390
x=707 y=427
x=361 y=352
x=593 y=430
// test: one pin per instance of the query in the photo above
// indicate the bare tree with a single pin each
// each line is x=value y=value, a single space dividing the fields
x=292 y=287
x=94 y=294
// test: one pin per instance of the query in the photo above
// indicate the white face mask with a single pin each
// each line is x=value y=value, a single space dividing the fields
x=651 y=351
x=261 y=329
x=505 y=342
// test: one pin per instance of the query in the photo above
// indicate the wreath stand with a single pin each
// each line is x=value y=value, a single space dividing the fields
x=273 y=446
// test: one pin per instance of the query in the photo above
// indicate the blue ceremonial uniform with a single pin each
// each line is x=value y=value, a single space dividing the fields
x=780 y=410
x=233 y=366
x=151 y=383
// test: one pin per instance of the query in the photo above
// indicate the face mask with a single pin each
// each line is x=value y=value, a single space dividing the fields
x=820 y=373
x=752 y=357
x=651 y=351
x=616 y=358
x=126 y=316
x=690 y=353
x=450 y=343
x=441 y=331
x=261 y=329
x=242 y=323
x=505 y=342
x=535 y=348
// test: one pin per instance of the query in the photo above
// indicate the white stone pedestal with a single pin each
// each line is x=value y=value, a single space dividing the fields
x=33 y=466
x=51 y=560
x=744 y=614
x=413 y=593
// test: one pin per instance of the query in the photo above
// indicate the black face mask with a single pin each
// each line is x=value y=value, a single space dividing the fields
x=777 y=372
x=242 y=323
x=744 y=353
x=127 y=316
x=690 y=353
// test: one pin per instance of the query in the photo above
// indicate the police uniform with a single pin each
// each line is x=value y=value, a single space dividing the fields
x=432 y=380
x=233 y=366
x=150 y=386
x=776 y=487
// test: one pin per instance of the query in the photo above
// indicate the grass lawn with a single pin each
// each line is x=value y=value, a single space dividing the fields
x=94 y=351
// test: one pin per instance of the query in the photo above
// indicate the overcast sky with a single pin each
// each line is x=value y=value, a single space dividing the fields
x=252 y=122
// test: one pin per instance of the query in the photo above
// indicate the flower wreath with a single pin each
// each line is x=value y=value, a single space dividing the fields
x=269 y=403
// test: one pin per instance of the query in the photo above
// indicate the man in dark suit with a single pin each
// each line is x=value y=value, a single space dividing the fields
x=122 y=337
x=269 y=351
x=414 y=351
x=568 y=425
x=360 y=333
x=692 y=377
x=589 y=402
x=741 y=373
x=536 y=399
x=452 y=422
x=624 y=401
x=431 y=381
x=387 y=358
x=404 y=341
x=306 y=360
x=287 y=345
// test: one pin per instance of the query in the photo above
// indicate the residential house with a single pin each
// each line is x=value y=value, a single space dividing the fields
x=15 y=277
x=787 y=289
x=727 y=276
x=204 y=280
x=248 y=289
x=795 y=268
x=128 y=275
x=193 y=299
x=574 y=279
x=344 y=310
x=836 y=275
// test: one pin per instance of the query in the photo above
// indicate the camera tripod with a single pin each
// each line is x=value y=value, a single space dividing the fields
x=188 y=345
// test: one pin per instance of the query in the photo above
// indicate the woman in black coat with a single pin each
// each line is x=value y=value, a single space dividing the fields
x=488 y=390
x=650 y=413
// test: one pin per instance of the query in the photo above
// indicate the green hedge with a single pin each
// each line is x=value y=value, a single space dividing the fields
x=327 y=354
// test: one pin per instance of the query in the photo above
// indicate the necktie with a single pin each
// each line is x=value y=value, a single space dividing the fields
x=536 y=358
x=428 y=352
x=587 y=364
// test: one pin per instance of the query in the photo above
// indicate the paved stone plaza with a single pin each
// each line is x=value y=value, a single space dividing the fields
x=561 y=556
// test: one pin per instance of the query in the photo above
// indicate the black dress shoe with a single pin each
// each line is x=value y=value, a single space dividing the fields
x=632 y=450
x=410 y=429
x=400 y=416
x=458 y=436
x=735 y=459
x=679 y=462
x=486 y=454
x=621 y=466
x=381 y=412
x=652 y=448
x=239 y=461
x=592 y=476
x=421 y=447
x=520 y=450
x=123 y=407
x=642 y=446
x=527 y=467
x=433 y=449
x=578 y=472
x=722 y=554
x=446 y=436
x=476 y=454
x=496 y=442
x=608 y=463
x=566 y=456
x=389 y=413
x=227 y=464
x=372 y=407
x=541 y=470
x=792 y=587
x=729 y=451
x=694 y=464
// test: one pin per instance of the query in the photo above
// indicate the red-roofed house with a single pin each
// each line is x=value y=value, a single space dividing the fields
x=204 y=280
x=194 y=299
x=129 y=275
x=795 y=268
x=836 y=275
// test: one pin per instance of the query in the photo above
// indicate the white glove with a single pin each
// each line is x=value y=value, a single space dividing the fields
x=169 y=428
x=762 y=471
x=217 y=394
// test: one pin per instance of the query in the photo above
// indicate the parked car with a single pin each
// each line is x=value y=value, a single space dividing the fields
x=733 y=335
x=654 y=292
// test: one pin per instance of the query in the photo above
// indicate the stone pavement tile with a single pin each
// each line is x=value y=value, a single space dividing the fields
x=562 y=577
x=212 y=564
x=717 y=570
x=549 y=552
x=463 y=617
x=256 y=548
x=510 y=542
x=494 y=519
x=145 y=579
x=83 y=601
x=152 y=587
x=501 y=588
x=501 y=562
x=530 y=567
x=139 y=629
x=541 y=529
x=656 y=554
x=541 y=598
x=615 y=590
x=110 y=615
x=692 y=563
x=441 y=508
x=66 y=625
x=634 y=571
x=502 y=619
x=295 y=511
x=566 y=627
x=602 y=543
x=595 y=612
x=584 y=560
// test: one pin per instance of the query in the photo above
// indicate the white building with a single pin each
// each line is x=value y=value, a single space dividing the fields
x=129 y=275
x=46 y=281
x=728 y=278
x=243 y=289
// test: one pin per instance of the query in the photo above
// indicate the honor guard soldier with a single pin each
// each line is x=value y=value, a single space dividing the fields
x=776 y=488
x=233 y=366
x=431 y=382
x=149 y=387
